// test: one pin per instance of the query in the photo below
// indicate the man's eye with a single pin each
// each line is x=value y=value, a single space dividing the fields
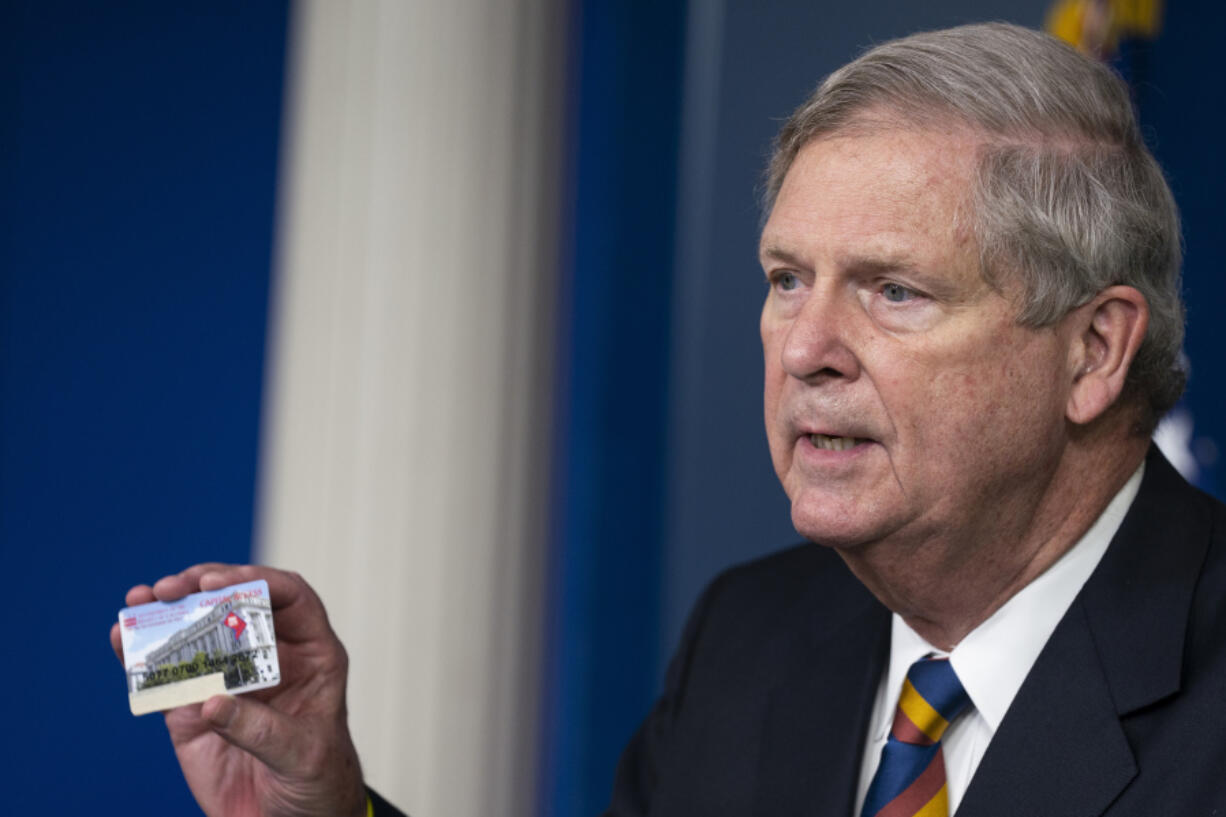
x=786 y=281
x=896 y=293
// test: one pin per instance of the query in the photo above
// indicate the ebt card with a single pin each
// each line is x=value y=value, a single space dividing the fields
x=186 y=651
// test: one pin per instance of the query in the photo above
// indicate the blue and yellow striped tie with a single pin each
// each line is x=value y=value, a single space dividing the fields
x=910 y=779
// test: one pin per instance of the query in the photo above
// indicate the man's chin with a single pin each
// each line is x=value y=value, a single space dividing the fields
x=829 y=526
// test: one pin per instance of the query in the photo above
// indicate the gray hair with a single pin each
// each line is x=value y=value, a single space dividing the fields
x=1066 y=195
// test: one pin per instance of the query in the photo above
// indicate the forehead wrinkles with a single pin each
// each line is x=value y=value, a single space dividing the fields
x=899 y=184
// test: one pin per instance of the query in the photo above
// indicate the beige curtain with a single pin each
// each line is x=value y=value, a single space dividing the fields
x=405 y=451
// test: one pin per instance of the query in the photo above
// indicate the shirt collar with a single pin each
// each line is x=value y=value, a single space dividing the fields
x=995 y=658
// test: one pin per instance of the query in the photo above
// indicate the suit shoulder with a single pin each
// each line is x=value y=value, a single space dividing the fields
x=805 y=582
x=793 y=569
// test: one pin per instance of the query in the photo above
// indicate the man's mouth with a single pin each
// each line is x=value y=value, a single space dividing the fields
x=828 y=443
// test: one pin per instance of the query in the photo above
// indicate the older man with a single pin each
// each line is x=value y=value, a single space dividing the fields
x=972 y=326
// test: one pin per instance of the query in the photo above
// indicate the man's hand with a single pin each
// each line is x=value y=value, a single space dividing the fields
x=284 y=751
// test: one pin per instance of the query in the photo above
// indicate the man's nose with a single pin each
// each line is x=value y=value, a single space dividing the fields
x=818 y=344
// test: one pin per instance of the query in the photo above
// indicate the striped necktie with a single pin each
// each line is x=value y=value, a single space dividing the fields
x=910 y=779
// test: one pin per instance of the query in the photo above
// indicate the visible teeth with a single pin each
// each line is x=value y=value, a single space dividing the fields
x=832 y=443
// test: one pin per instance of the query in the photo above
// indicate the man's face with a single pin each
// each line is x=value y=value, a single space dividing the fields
x=902 y=400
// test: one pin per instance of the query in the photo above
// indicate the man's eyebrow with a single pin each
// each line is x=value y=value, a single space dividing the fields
x=933 y=282
x=879 y=264
x=778 y=253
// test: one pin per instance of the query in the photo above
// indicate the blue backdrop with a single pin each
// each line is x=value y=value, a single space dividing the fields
x=1177 y=80
x=140 y=146
x=612 y=398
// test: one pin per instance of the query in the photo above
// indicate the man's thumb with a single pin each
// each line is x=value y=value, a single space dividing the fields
x=254 y=727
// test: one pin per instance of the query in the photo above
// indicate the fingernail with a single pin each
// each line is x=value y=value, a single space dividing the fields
x=219 y=710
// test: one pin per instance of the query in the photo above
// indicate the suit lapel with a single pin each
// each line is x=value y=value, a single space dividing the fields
x=813 y=734
x=1061 y=748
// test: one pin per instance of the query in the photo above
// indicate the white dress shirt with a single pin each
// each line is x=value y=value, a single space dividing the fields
x=995 y=657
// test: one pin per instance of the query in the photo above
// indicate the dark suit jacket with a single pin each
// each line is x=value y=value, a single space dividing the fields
x=382 y=808
x=1124 y=712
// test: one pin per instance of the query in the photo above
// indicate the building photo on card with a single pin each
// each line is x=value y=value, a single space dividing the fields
x=204 y=644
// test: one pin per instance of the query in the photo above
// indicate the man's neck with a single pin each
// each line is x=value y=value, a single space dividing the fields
x=946 y=586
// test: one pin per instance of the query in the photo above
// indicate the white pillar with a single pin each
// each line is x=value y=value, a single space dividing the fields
x=405 y=451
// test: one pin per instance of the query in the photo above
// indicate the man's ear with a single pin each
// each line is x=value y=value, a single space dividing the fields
x=1107 y=332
